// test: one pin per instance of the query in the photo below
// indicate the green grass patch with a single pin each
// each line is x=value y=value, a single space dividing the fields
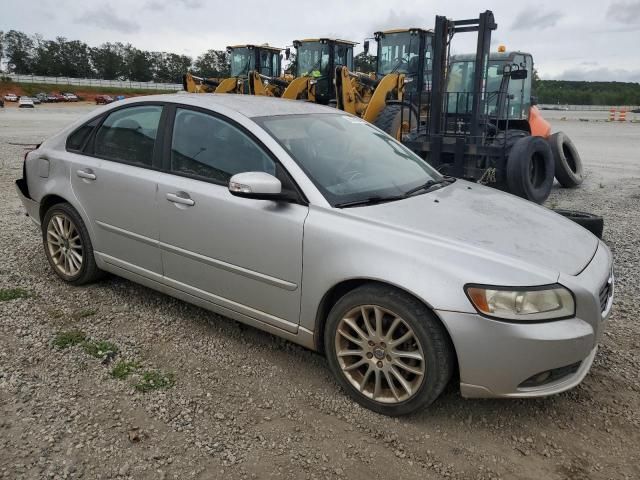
x=155 y=380
x=99 y=349
x=69 y=339
x=124 y=368
x=7 y=294
x=84 y=313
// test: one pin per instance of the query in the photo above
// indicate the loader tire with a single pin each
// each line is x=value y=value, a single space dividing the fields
x=530 y=169
x=568 y=165
x=396 y=119
x=593 y=223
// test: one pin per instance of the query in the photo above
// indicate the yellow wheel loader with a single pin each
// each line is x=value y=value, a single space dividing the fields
x=316 y=62
x=246 y=61
x=403 y=66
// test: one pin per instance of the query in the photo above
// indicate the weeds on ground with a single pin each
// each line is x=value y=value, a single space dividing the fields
x=124 y=368
x=7 y=294
x=87 y=312
x=99 y=349
x=55 y=313
x=154 y=380
x=69 y=339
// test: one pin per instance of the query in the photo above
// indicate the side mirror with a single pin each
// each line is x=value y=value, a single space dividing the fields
x=256 y=185
x=534 y=101
x=287 y=53
x=366 y=47
x=518 y=74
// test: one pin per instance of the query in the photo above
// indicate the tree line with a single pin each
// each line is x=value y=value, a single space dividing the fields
x=34 y=55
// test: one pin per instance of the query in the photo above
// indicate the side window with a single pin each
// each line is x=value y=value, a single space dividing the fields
x=77 y=139
x=208 y=147
x=128 y=135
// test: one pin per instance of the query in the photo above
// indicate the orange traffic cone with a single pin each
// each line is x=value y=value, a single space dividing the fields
x=623 y=115
x=612 y=114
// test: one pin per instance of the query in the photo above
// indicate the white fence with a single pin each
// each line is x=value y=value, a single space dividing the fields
x=588 y=108
x=92 y=82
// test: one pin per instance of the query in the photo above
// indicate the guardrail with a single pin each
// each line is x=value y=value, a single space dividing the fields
x=587 y=108
x=92 y=82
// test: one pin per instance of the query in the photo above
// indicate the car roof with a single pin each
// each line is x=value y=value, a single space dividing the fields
x=247 y=105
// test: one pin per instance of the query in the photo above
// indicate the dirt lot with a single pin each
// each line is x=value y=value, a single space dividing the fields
x=243 y=404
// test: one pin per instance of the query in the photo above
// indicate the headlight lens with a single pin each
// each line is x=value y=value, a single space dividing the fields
x=534 y=304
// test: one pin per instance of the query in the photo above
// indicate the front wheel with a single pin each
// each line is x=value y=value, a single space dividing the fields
x=387 y=350
x=397 y=120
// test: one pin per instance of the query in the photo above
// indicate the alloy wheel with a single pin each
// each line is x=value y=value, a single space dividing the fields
x=64 y=244
x=379 y=354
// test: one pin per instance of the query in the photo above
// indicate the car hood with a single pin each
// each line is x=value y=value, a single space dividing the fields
x=490 y=222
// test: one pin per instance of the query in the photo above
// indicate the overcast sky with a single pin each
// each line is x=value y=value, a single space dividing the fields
x=569 y=39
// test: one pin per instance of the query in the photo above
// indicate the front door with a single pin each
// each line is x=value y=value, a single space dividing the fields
x=242 y=254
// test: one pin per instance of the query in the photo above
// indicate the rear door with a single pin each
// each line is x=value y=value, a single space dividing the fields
x=115 y=182
x=241 y=254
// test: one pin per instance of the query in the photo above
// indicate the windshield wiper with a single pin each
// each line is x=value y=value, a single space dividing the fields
x=368 y=201
x=429 y=184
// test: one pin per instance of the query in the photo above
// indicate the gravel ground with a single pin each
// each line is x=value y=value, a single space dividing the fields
x=244 y=404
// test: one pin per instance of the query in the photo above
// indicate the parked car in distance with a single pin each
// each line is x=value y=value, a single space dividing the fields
x=42 y=97
x=316 y=226
x=35 y=100
x=26 y=102
x=103 y=99
x=55 y=98
x=11 y=97
x=70 y=97
x=120 y=97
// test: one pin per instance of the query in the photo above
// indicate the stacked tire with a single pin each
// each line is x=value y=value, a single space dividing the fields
x=568 y=166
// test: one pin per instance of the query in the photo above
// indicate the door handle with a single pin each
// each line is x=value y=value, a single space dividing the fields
x=182 y=198
x=86 y=173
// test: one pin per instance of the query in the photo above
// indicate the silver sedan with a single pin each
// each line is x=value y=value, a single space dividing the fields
x=315 y=226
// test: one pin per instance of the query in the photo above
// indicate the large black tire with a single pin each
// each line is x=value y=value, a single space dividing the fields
x=429 y=336
x=593 y=223
x=568 y=165
x=395 y=119
x=530 y=169
x=88 y=270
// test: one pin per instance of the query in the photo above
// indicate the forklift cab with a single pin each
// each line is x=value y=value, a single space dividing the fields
x=507 y=85
x=406 y=51
x=319 y=58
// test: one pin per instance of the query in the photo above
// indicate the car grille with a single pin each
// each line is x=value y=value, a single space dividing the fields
x=605 y=293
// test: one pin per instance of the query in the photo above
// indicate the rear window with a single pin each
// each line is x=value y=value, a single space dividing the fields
x=78 y=138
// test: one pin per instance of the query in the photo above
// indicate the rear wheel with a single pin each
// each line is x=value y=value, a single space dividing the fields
x=67 y=245
x=568 y=165
x=387 y=350
x=396 y=120
x=530 y=169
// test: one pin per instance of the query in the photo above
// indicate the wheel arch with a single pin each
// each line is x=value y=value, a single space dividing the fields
x=49 y=201
x=340 y=289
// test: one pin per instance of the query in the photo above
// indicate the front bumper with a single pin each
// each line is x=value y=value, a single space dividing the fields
x=31 y=206
x=498 y=359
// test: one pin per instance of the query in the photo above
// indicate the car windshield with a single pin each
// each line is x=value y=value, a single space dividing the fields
x=348 y=159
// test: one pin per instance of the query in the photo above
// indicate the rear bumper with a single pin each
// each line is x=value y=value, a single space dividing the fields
x=31 y=206
x=508 y=359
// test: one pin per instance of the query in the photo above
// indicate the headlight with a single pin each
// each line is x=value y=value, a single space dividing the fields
x=528 y=304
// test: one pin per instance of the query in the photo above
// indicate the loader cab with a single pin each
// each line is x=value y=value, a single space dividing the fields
x=407 y=51
x=507 y=85
x=319 y=58
x=245 y=58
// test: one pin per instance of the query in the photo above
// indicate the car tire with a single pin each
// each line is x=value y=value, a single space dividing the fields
x=67 y=245
x=424 y=359
x=530 y=169
x=395 y=119
x=593 y=223
x=568 y=165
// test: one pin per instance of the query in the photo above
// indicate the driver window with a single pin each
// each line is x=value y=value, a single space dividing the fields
x=207 y=147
